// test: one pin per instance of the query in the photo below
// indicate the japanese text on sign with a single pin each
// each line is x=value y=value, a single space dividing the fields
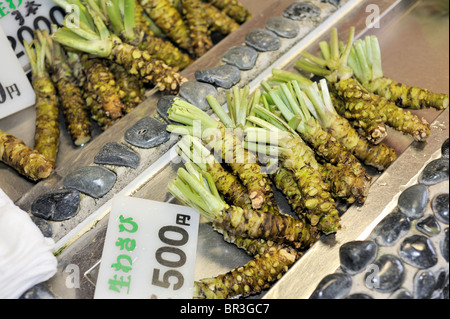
x=19 y=19
x=149 y=251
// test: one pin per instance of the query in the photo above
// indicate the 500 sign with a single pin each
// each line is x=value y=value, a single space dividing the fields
x=172 y=249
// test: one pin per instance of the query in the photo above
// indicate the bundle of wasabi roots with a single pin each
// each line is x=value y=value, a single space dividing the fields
x=99 y=64
x=294 y=136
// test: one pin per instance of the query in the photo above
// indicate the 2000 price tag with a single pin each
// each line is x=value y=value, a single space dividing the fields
x=19 y=19
x=149 y=251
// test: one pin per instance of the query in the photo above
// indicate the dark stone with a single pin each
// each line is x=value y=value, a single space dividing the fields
x=164 y=104
x=94 y=181
x=445 y=292
x=440 y=207
x=445 y=150
x=355 y=256
x=387 y=274
x=243 y=57
x=358 y=296
x=418 y=251
x=401 y=294
x=444 y=245
x=413 y=201
x=441 y=279
x=56 y=206
x=394 y=226
x=424 y=283
x=333 y=2
x=196 y=92
x=43 y=225
x=429 y=226
x=333 y=286
x=283 y=27
x=435 y=172
x=224 y=76
x=114 y=153
x=301 y=11
x=39 y=291
x=148 y=132
x=262 y=40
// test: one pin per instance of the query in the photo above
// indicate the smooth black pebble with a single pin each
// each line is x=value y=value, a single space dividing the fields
x=386 y=275
x=114 y=153
x=301 y=10
x=283 y=27
x=94 y=181
x=333 y=286
x=146 y=133
x=355 y=256
x=224 y=76
x=243 y=57
x=418 y=251
x=262 y=40
x=435 y=172
x=56 y=206
x=440 y=207
x=391 y=228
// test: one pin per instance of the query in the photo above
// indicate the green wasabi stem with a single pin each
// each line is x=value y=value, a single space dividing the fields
x=74 y=109
x=46 y=137
x=102 y=88
x=356 y=106
x=137 y=31
x=95 y=38
x=25 y=160
x=370 y=125
x=218 y=20
x=367 y=67
x=131 y=85
x=251 y=278
x=197 y=21
x=239 y=104
x=299 y=158
x=232 y=8
x=74 y=62
x=166 y=16
x=379 y=156
x=234 y=192
x=193 y=191
x=195 y=153
x=347 y=177
x=360 y=103
x=225 y=143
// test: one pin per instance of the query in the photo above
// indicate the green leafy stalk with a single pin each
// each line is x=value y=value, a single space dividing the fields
x=73 y=105
x=46 y=137
x=296 y=156
x=99 y=41
x=379 y=156
x=346 y=175
x=192 y=190
x=360 y=104
x=368 y=70
x=225 y=143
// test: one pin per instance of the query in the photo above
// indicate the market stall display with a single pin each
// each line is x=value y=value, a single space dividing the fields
x=315 y=146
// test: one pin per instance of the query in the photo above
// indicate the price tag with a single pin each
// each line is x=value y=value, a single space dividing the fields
x=149 y=251
x=16 y=92
x=19 y=19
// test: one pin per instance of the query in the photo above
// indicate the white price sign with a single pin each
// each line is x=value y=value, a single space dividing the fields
x=149 y=251
x=16 y=92
x=19 y=19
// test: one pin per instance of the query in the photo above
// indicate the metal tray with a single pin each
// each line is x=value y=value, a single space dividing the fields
x=414 y=43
